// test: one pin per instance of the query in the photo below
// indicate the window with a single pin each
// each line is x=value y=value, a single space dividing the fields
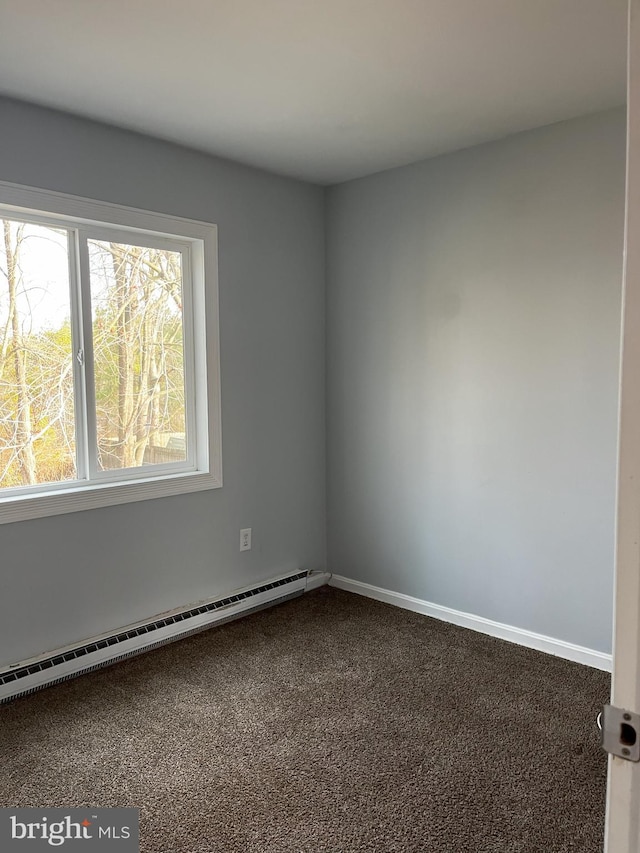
x=109 y=388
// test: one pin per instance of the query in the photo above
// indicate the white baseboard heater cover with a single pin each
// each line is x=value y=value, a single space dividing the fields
x=29 y=676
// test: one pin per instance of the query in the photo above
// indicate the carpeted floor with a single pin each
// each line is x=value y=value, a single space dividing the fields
x=329 y=723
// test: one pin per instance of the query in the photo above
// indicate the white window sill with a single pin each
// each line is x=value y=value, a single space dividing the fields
x=92 y=496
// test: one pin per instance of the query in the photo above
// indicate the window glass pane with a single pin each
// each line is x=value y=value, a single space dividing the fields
x=136 y=298
x=37 y=427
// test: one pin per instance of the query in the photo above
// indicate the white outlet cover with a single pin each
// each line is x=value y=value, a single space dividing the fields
x=245 y=539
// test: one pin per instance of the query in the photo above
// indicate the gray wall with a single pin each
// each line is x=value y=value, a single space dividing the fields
x=473 y=326
x=473 y=315
x=68 y=577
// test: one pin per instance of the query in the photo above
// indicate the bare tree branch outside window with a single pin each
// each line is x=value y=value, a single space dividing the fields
x=136 y=297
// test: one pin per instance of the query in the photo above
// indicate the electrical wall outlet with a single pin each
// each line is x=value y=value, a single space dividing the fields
x=245 y=539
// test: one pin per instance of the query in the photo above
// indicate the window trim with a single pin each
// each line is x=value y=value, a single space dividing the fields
x=201 y=237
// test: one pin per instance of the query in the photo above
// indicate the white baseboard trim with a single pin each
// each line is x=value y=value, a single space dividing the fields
x=539 y=642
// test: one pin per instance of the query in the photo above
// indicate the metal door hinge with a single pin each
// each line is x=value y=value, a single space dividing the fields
x=620 y=731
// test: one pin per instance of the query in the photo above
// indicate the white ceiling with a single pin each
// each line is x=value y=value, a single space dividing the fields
x=325 y=90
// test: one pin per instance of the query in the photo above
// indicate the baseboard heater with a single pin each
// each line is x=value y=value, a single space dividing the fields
x=63 y=664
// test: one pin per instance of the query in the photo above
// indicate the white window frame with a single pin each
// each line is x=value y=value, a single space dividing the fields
x=198 y=243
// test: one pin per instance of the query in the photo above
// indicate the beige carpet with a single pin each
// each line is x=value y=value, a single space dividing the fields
x=330 y=723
